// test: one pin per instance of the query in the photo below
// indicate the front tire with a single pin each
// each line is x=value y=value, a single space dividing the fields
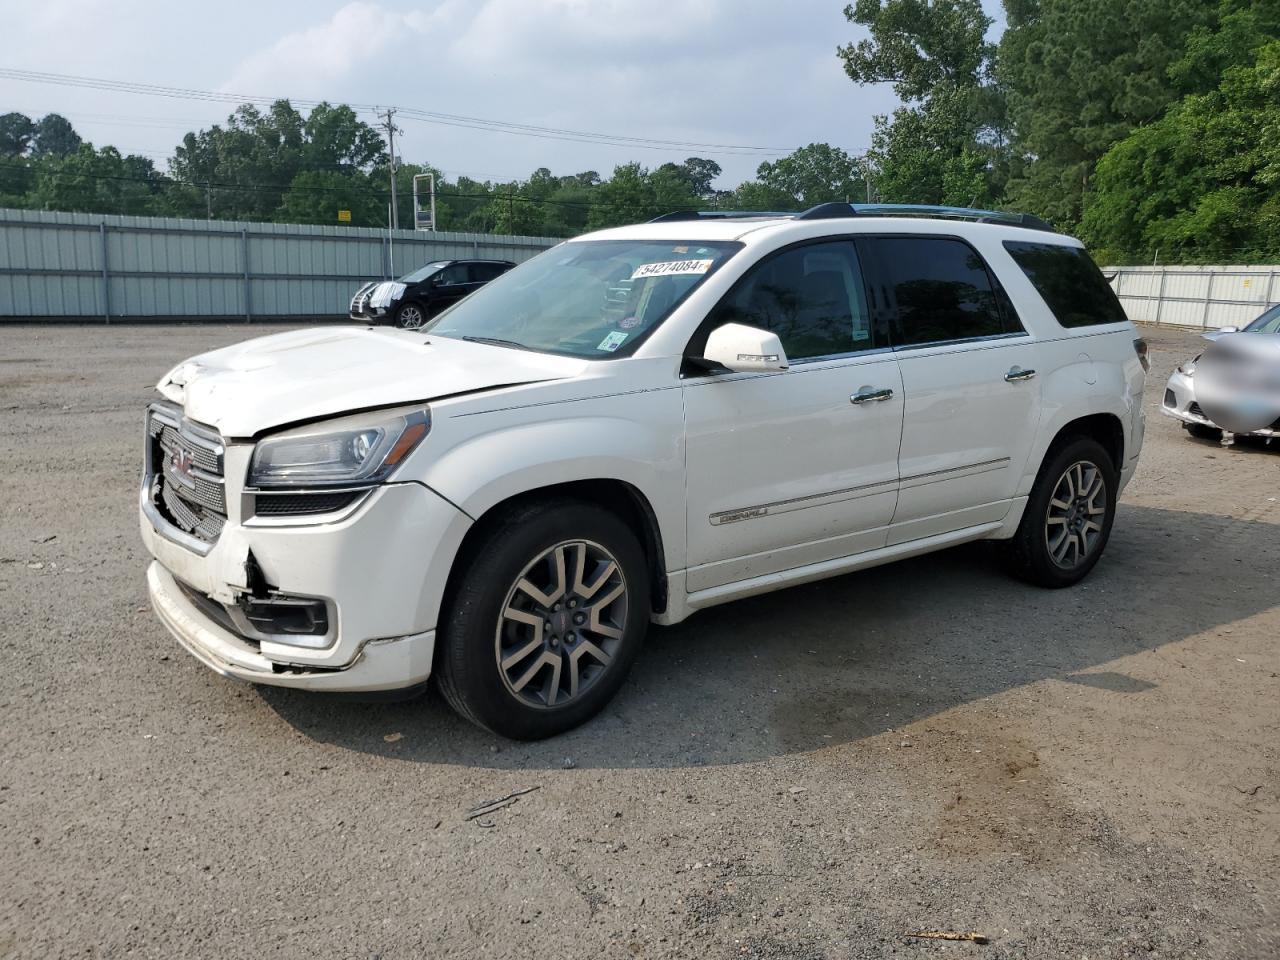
x=545 y=617
x=1067 y=521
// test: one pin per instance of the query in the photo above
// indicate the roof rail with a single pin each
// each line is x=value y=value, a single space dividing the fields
x=831 y=211
x=677 y=215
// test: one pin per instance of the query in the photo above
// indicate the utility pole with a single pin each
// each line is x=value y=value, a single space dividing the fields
x=390 y=127
x=208 y=199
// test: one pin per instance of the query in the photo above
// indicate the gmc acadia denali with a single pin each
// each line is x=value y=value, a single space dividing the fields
x=632 y=426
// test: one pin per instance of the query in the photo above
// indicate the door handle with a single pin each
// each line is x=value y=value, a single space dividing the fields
x=1017 y=373
x=867 y=395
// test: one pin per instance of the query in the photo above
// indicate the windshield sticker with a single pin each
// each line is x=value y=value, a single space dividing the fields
x=626 y=323
x=679 y=249
x=613 y=341
x=671 y=268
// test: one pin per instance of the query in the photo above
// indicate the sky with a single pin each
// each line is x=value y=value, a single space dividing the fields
x=749 y=73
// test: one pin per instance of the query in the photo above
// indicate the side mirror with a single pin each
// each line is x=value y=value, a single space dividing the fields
x=1228 y=329
x=743 y=349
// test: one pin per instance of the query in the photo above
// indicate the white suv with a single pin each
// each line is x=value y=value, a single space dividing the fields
x=630 y=427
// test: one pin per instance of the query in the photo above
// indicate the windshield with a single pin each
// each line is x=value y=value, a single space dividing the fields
x=590 y=298
x=423 y=272
x=1269 y=322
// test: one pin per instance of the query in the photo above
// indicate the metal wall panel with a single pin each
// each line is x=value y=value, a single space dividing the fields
x=52 y=265
x=1200 y=297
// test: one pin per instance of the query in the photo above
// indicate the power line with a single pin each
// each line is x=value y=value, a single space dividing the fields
x=165 y=181
x=424 y=116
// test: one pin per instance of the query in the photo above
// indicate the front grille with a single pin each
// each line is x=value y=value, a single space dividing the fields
x=1195 y=410
x=361 y=301
x=185 y=473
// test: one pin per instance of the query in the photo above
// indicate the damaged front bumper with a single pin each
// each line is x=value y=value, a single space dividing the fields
x=367 y=585
x=393 y=663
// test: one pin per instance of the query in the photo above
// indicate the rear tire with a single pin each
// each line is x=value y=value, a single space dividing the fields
x=1067 y=520
x=411 y=316
x=544 y=619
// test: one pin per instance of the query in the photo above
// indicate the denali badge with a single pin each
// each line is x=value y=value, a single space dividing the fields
x=734 y=516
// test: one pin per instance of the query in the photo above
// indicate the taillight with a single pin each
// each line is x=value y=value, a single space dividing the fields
x=1144 y=357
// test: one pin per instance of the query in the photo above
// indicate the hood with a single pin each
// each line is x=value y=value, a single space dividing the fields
x=319 y=372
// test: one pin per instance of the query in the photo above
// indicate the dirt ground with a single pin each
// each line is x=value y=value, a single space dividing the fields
x=928 y=746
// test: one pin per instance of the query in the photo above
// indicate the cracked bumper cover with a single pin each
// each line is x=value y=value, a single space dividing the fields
x=383 y=568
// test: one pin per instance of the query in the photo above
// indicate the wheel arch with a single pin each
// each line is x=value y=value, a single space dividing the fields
x=1106 y=428
x=1098 y=423
x=623 y=499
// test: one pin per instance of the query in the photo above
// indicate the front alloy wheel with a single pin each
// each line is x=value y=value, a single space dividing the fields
x=561 y=624
x=545 y=614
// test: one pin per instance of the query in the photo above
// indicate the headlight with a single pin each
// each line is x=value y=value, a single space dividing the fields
x=1189 y=368
x=361 y=456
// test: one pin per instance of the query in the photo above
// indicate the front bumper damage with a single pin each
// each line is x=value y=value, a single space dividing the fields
x=379 y=568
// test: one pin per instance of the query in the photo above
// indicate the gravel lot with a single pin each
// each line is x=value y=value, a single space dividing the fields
x=1089 y=773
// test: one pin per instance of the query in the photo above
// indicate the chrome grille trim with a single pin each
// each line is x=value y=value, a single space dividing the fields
x=183 y=491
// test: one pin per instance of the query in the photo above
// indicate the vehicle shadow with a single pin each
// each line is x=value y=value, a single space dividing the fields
x=840 y=660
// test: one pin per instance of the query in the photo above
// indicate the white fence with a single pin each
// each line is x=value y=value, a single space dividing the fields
x=1200 y=297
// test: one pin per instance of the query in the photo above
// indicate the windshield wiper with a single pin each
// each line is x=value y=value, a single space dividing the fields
x=497 y=342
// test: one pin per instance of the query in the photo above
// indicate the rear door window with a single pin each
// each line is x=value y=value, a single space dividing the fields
x=453 y=274
x=484 y=272
x=935 y=290
x=1069 y=282
x=810 y=296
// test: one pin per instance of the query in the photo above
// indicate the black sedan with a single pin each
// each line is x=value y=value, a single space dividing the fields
x=418 y=296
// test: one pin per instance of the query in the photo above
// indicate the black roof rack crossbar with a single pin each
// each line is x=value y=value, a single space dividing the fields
x=832 y=211
x=677 y=215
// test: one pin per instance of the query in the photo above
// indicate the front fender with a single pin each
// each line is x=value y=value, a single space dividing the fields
x=479 y=460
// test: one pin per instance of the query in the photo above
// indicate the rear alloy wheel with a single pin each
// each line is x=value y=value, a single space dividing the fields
x=1073 y=520
x=544 y=618
x=1067 y=520
x=410 y=316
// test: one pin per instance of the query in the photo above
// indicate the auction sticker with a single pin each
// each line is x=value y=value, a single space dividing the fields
x=672 y=268
x=613 y=341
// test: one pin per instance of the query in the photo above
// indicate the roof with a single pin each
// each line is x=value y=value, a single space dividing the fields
x=836 y=217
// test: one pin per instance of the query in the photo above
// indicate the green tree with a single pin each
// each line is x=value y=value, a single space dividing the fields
x=928 y=155
x=54 y=137
x=244 y=168
x=16 y=131
x=815 y=174
x=634 y=194
x=97 y=181
x=1202 y=183
x=919 y=46
x=1080 y=75
x=947 y=144
x=316 y=196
